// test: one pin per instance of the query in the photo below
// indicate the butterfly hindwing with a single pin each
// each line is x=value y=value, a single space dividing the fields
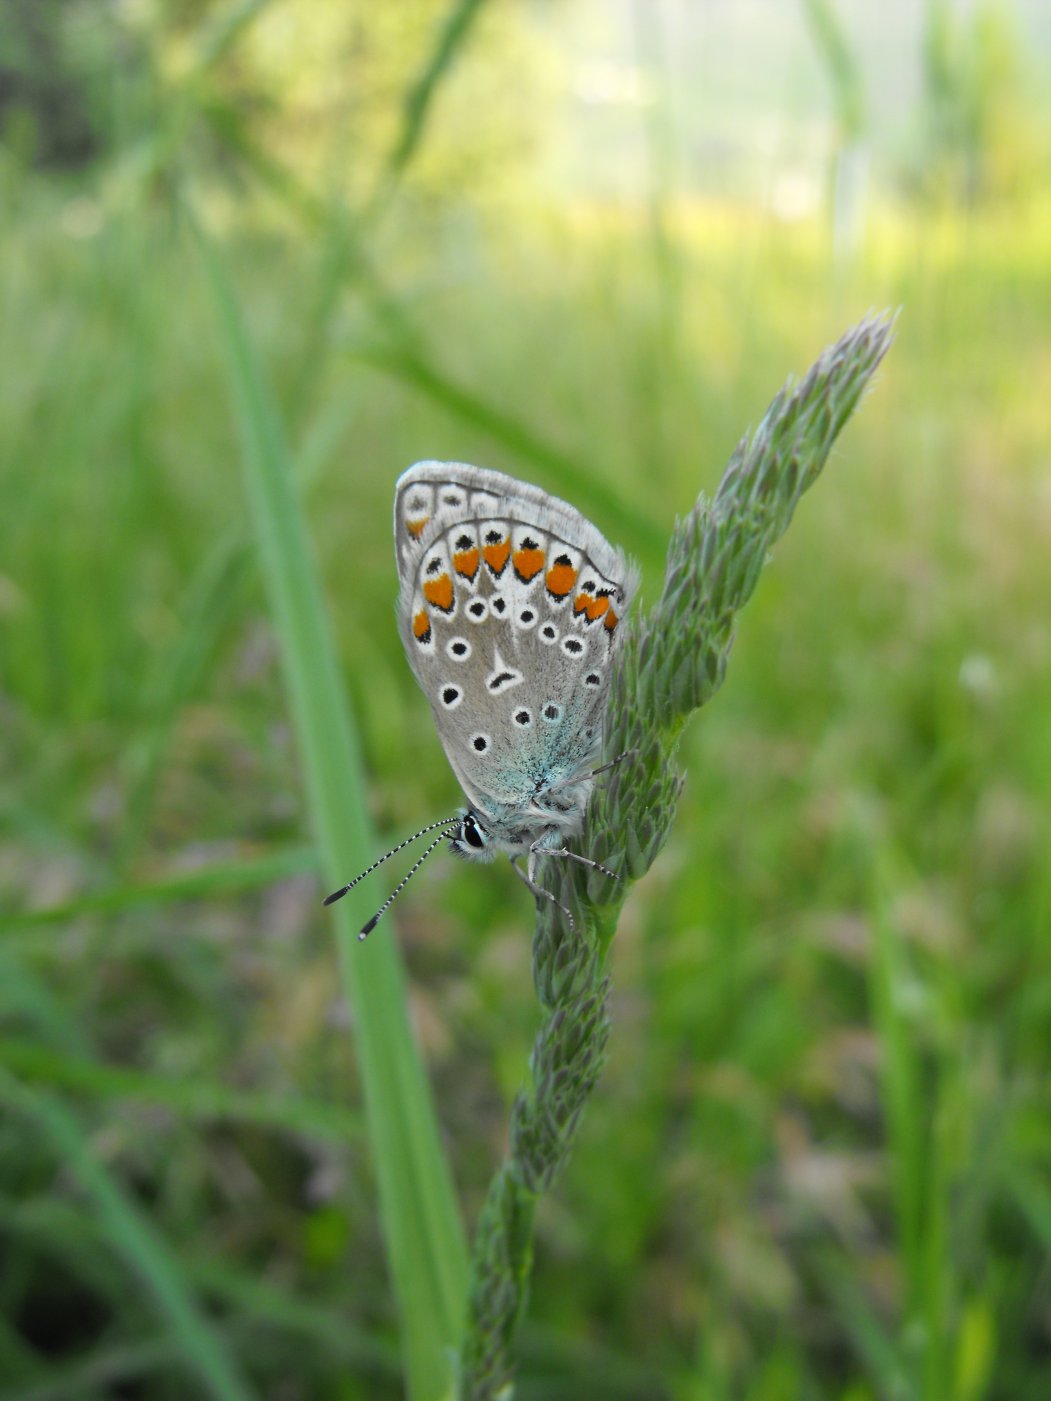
x=509 y=606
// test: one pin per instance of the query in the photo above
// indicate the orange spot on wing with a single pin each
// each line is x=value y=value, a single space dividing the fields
x=528 y=563
x=466 y=563
x=582 y=602
x=421 y=626
x=597 y=607
x=439 y=592
x=560 y=579
x=496 y=556
x=415 y=528
x=611 y=619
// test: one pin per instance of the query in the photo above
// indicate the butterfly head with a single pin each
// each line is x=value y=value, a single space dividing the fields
x=472 y=839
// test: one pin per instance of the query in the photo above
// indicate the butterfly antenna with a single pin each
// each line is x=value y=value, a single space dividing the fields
x=366 y=929
x=445 y=822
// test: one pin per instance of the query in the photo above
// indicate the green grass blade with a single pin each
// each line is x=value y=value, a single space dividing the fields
x=217 y=37
x=22 y=992
x=19 y=1363
x=195 y=1099
x=454 y=34
x=72 y=1235
x=842 y=70
x=916 y=1130
x=573 y=477
x=212 y=599
x=105 y=1368
x=132 y=1235
x=223 y=878
x=421 y=1225
x=861 y=1324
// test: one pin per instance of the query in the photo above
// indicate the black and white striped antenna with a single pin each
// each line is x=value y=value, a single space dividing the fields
x=450 y=824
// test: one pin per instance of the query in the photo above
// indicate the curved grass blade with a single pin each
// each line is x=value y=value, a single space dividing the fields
x=201 y=1100
x=454 y=33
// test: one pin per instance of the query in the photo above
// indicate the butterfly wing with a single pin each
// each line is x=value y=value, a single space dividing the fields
x=509 y=609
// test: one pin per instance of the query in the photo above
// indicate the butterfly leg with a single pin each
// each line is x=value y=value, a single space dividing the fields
x=619 y=759
x=580 y=860
x=538 y=890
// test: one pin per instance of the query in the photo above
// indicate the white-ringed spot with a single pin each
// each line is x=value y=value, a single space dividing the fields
x=549 y=633
x=450 y=695
x=552 y=713
x=480 y=743
x=573 y=647
x=458 y=648
x=478 y=610
x=524 y=719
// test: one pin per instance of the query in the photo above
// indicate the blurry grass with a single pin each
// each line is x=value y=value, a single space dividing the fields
x=818 y=1164
x=73 y=1236
x=454 y=32
x=210 y=881
x=38 y=1065
x=130 y=1234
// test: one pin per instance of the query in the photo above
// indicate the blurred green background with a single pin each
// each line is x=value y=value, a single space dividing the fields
x=583 y=243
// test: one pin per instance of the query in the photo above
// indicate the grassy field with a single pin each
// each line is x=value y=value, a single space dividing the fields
x=817 y=1165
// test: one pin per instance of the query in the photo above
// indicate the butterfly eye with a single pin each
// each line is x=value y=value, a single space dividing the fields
x=471 y=833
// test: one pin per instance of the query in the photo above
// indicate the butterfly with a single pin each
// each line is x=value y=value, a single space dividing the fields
x=511 y=610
